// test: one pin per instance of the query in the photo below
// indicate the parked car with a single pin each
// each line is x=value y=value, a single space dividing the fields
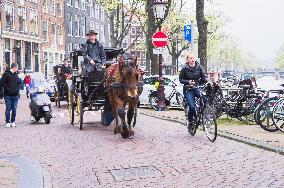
x=149 y=85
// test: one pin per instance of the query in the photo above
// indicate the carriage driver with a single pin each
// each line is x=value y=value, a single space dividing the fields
x=65 y=69
x=94 y=54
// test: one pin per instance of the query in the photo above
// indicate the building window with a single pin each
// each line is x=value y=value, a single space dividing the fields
x=102 y=34
x=92 y=10
x=133 y=30
x=97 y=29
x=9 y=9
x=59 y=9
x=69 y=3
x=52 y=7
x=33 y=21
x=102 y=15
x=97 y=13
x=92 y=26
x=83 y=2
x=45 y=31
x=77 y=26
x=76 y=3
x=53 y=34
x=70 y=47
x=77 y=47
x=60 y=35
x=28 y=55
x=70 y=25
x=22 y=19
x=83 y=27
x=44 y=6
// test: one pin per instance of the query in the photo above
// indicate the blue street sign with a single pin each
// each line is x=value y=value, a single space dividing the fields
x=187 y=33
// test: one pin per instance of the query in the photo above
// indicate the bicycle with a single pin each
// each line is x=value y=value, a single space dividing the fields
x=278 y=114
x=205 y=116
x=153 y=98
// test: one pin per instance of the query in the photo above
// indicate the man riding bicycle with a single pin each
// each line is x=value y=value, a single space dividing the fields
x=191 y=75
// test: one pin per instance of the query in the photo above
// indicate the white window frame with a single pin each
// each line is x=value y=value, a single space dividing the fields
x=97 y=12
x=13 y=13
x=36 y=20
x=77 y=5
x=92 y=25
x=70 y=47
x=24 y=15
x=83 y=4
x=47 y=39
x=51 y=41
x=77 y=25
x=102 y=13
x=84 y=24
x=133 y=30
x=54 y=7
x=97 y=29
x=45 y=8
x=61 y=9
x=76 y=46
x=92 y=11
x=69 y=4
x=60 y=38
x=70 y=24
x=102 y=34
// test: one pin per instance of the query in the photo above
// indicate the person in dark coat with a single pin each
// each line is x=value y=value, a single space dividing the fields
x=94 y=54
x=191 y=75
x=11 y=84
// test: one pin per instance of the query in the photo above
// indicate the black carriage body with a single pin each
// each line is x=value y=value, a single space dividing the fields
x=89 y=90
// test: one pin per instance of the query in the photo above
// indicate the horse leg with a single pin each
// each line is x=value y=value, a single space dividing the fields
x=125 y=130
x=130 y=114
x=117 y=127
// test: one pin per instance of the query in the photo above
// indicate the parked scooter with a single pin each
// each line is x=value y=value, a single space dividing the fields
x=40 y=105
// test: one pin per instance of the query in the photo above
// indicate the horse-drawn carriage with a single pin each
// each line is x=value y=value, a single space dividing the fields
x=101 y=89
x=61 y=85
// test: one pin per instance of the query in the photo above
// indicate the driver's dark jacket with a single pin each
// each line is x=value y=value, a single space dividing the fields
x=92 y=51
x=65 y=70
x=196 y=73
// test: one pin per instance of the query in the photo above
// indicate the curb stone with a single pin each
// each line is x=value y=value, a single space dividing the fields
x=228 y=135
x=31 y=176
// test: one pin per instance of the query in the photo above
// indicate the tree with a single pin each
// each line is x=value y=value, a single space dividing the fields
x=280 y=57
x=120 y=16
x=202 y=31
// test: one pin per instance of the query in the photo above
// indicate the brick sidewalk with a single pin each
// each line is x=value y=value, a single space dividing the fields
x=249 y=131
x=9 y=174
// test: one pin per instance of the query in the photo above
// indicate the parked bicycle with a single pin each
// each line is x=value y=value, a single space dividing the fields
x=179 y=99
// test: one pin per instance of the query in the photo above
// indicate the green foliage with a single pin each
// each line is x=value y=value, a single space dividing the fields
x=280 y=57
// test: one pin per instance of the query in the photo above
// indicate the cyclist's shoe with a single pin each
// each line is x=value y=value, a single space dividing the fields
x=190 y=127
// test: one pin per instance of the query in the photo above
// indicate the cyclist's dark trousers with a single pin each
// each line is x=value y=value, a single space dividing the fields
x=190 y=96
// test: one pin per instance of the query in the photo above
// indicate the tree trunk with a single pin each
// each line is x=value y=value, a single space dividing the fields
x=202 y=31
x=152 y=28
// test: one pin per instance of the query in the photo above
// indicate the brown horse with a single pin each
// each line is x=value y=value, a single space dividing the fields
x=121 y=84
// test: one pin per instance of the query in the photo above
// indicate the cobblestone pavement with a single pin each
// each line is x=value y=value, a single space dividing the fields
x=162 y=154
x=9 y=174
x=248 y=131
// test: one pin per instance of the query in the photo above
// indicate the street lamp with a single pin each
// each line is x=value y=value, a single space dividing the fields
x=159 y=9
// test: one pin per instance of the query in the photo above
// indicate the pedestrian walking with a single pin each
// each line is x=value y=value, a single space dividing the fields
x=27 y=82
x=10 y=83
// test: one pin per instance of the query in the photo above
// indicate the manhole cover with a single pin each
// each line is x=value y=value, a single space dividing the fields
x=136 y=172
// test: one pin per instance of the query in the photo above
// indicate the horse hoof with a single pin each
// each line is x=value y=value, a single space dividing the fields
x=131 y=133
x=116 y=130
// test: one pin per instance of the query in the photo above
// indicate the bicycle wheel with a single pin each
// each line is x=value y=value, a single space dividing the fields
x=153 y=102
x=264 y=115
x=278 y=114
x=209 y=123
x=180 y=101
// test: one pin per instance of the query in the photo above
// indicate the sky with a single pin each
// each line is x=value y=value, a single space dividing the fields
x=257 y=24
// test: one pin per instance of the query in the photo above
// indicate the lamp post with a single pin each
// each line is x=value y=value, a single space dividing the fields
x=159 y=9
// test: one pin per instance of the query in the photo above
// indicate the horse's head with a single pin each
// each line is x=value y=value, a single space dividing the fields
x=128 y=68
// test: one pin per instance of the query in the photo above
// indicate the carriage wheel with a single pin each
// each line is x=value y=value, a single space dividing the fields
x=80 y=111
x=58 y=99
x=71 y=106
x=55 y=97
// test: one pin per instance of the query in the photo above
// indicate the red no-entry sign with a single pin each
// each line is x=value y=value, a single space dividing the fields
x=160 y=39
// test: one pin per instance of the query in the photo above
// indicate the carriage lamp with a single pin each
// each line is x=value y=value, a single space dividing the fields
x=159 y=8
